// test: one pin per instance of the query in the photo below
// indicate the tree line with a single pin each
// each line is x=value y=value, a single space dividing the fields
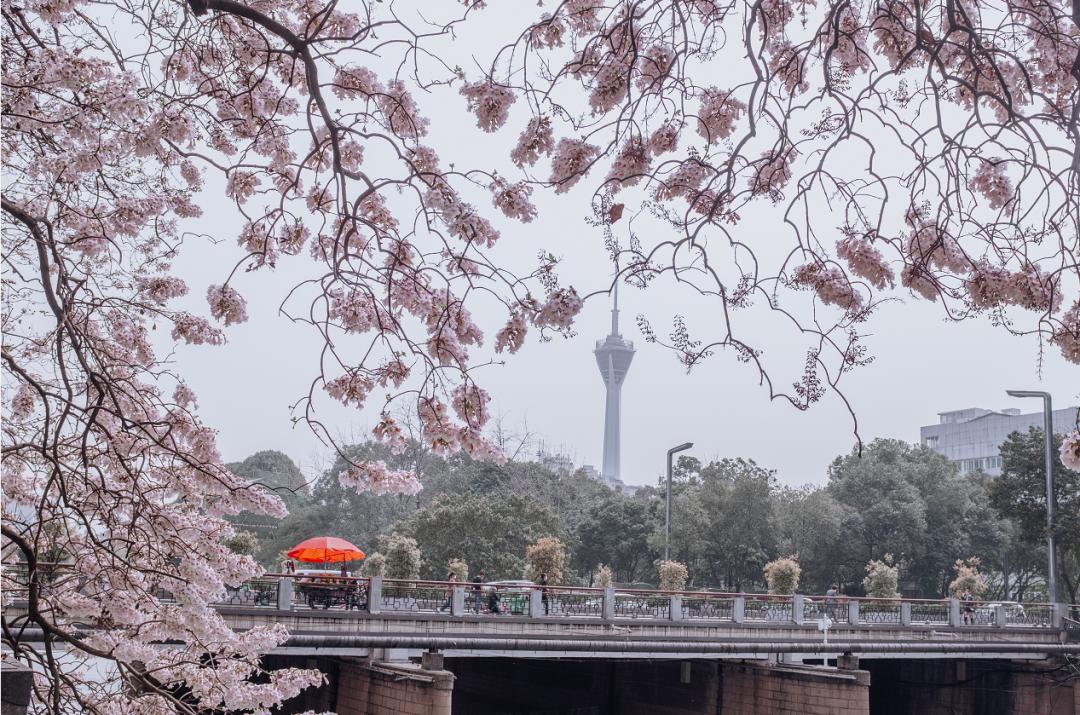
x=888 y=503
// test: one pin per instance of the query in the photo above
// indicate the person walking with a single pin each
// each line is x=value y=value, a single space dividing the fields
x=542 y=582
x=452 y=578
x=967 y=608
x=831 y=600
x=478 y=591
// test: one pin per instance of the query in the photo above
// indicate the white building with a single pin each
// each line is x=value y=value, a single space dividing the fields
x=970 y=438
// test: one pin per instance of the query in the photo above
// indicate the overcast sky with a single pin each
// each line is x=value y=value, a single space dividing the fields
x=923 y=364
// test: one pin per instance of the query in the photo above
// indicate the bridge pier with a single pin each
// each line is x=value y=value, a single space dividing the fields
x=371 y=688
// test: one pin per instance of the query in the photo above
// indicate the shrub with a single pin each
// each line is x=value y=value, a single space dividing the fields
x=546 y=556
x=459 y=568
x=374 y=565
x=673 y=575
x=402 y=556
x=782 y=575
x=243 y=542
x=882 y=578
x=967 y=578
x=604 y=577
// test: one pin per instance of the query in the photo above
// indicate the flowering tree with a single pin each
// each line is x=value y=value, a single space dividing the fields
x=930 y=147
x=604 y=577
x=922 y=149
x=374 y=565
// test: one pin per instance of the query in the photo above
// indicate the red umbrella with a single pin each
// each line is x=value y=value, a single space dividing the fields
x=325 y=549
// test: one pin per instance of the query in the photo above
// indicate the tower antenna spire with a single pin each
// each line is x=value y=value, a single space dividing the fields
x=615 y=312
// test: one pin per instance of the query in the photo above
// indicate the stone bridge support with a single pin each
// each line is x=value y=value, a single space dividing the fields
x=372 y=688
x=766 y=689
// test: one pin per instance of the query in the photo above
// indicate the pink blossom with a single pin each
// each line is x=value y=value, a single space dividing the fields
x=718 y=114
x=374 y=477
x=583 y=16
x=490 y=102
x=537 y=139
x=195 y=330
x=771 y=173
x=350 y=82
x=865 y=260
x=630 y=164
x=610 y=83
x=461 y=218
x=830 y=284
x=161 y=289
x=653 y=67
x=1070 y=451
x=352 y=388
x=356 y=311
x=439 y=434
x=513 y=199
x=991 y=181
x=389 y=433
x=548 y=32
x=512 y=335
x=241 y=185
x=226 y=304
x=470 y=403
x=1067 y=335
x=400 y=111
x=22 y=403
x=559 y=311
x=573 y=159
x=930 y=245
x=664 y=139
x=684 y=181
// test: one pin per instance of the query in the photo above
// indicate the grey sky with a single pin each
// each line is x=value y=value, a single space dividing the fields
x=923 y=365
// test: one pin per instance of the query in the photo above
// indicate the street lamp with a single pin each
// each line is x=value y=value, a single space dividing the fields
x=1048 y=443
x=667 y=517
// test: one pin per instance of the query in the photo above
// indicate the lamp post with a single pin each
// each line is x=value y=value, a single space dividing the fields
x=1048 y=443
x=667 y=518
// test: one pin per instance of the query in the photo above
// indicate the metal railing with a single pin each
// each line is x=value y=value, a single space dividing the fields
x=300 y=592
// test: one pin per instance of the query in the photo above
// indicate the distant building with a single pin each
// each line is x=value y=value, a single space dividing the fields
x=555 y=462
x=970 y=438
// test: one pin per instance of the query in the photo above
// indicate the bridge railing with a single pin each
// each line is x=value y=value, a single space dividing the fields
x=522 y=601
x=297 y=592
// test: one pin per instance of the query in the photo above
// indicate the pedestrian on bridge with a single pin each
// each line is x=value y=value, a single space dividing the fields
x=478 y=591
x=542 y=582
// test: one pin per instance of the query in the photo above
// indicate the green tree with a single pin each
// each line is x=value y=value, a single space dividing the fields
x=490 y=533
x=1019 y=493
x=615 y=531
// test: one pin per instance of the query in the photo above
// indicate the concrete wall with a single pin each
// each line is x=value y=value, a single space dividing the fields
x=757 y=689
x=392 y=689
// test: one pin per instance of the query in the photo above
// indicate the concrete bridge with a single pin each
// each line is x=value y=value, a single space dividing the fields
x=429 y=647
x=425 y=648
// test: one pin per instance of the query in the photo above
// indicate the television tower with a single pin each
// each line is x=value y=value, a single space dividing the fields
x=613 y=357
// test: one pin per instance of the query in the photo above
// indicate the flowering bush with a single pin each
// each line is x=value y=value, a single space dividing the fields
x=673 y=575
x=782 y=575
x=547 y=556
x=373 y=565
x=402 y=556
x=882 y=578
x=604 y=577
x=967 y=578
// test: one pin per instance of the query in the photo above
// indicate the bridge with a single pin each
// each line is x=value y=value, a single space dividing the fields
x=424 y=647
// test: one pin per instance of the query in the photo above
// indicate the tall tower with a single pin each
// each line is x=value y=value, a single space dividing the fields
x=613 y=357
